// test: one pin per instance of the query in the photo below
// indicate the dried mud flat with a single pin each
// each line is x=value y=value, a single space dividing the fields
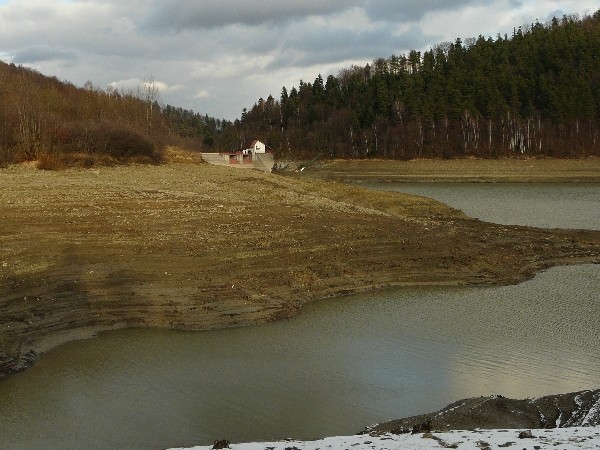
x=541 y=170
x=192 y=246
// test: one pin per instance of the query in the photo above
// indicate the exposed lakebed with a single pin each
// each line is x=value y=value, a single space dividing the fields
x=341 y=365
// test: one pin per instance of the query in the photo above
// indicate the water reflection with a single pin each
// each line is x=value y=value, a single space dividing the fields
x=343 y=364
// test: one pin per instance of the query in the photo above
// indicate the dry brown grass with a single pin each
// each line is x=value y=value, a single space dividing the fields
x=173 y=154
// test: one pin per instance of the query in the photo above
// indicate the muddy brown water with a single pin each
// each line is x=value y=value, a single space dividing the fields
x=341 y=365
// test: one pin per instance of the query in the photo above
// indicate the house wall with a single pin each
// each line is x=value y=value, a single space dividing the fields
x=263 y=162
x=259 y=147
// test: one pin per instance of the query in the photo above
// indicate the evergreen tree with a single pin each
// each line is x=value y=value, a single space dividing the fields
x=537 y=92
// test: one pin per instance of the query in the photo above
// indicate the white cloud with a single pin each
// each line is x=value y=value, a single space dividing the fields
x=131 y=84
x=203 y=94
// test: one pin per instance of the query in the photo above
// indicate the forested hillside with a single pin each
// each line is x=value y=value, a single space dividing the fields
x=536 y=92
x=56 y=123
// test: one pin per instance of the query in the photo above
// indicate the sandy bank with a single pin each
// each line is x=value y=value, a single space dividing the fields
x=194 y=246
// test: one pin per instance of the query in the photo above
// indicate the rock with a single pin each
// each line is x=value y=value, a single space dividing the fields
x=11 y=365
x=223 y=443
x=421 y=427
x=526 y=434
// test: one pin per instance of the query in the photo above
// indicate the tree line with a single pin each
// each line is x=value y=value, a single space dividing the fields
x=44 y=119
x=535 y=93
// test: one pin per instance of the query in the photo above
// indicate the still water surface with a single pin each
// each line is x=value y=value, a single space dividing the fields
x=547 y=205
x=341 y=365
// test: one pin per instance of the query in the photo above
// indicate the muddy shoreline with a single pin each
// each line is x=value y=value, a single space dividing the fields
x=471 y=170
x=190 y=246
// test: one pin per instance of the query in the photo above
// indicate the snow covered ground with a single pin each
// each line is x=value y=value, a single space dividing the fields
x=557 y=439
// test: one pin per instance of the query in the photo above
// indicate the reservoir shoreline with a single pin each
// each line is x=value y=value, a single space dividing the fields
x=186 y=245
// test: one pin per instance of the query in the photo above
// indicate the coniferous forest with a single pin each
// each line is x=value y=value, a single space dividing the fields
x=534 y=93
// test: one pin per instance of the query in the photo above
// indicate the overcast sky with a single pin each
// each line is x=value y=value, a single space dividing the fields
x=219 y=56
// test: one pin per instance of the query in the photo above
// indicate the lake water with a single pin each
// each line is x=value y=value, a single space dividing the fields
x=341 y=365
x=547 y=205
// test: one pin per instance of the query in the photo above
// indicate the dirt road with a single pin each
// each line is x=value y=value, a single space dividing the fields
x=193 y=246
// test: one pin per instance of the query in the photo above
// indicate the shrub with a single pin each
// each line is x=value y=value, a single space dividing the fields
x=50 y=162
x=119 y=144
x=127 y=144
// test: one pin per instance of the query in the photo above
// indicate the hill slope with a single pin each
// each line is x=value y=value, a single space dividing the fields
x=535 y=93
x=56 y=123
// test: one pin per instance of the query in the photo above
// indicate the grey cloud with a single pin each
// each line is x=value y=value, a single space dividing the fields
x=238 y=50
x=238 y=39
x=414 y=10
x=193 y=14
x=329 y=45
x=43 y=53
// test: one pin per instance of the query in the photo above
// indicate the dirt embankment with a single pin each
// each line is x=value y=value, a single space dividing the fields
x=575 y=409
x=544 y=170
x=193 y=246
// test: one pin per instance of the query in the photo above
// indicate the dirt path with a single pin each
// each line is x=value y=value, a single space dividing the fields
x=194 y=246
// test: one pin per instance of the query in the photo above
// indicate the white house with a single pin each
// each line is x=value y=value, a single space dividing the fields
x=247 y=158
x=257 y=147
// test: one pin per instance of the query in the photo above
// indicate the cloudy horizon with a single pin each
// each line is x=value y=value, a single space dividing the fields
x=219 y=57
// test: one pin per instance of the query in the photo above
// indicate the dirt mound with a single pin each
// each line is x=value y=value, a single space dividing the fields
x=565 y=410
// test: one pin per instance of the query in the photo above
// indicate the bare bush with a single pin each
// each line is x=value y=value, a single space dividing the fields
x=50 y=162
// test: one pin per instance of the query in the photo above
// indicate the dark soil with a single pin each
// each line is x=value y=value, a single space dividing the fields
x=565 y=410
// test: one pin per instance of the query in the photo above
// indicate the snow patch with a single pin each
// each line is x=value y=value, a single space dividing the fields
x=563 y=438
x=560 y=416
x=446 y=411
x=593 y=415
